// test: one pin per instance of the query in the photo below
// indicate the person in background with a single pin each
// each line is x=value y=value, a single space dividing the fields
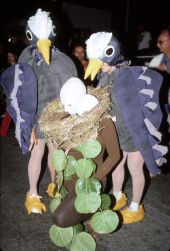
x=161 y=63
x=11 y=59
x=78 y=52
x=143 y=40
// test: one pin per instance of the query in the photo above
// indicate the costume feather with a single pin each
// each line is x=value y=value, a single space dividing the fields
x=40 y=24
x=97 y=43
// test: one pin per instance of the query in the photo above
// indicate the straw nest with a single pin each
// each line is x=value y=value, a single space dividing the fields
x=68 y=131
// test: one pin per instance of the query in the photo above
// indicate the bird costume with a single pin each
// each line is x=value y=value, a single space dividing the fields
x=52 y=67
x=49 y=69
x=20 y=86
x=135 y=99
x=79 y=117
x=39 y=64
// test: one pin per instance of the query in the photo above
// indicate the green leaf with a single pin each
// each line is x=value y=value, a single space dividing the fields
x=70 y=168
x=59 y=160
x=78 y=229
x=94 y=185
x=67 y=177
x=88 y=185
x=104 y=222
x=60 y=179
x=90 y=149
x=106 y=202
x=61 y=236
x=81 y=186
x=83 y=242
x=84 y=168
x=63 y=192
x=54 y=204
x=93 y=165
x=87 y=203
x=71 y=160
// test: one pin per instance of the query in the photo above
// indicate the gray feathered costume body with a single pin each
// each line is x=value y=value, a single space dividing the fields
x=135 y=99
x=42 y=68
x=51 y=67
x=50 y=78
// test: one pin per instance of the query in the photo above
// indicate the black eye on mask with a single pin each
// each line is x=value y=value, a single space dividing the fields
x=109 y=51
x=53 y=33
x=32 y=38
x=29 y=35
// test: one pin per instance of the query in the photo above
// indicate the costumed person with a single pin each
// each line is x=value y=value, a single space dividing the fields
x=137 y=115
x=161 y=63
x=50 y=70
x=11 y=58
x=144 y=40
x=89 y=119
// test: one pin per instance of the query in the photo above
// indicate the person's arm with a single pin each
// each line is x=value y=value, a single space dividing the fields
x=110 y=140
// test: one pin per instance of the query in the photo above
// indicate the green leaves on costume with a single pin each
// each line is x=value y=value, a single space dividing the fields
x=72 y=238
x=104 y=222
x=63 y=192
x=78 y=229
x=88 y=185
x=70 y=167
x=61 y=236
x=89 y=149
x=55 y=203
x=84 y=168
x=60 y=180
x=59 y=160
x=83 y=241
x=88 y=200
x=106 y=202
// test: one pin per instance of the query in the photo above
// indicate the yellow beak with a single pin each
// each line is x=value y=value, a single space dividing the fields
x=93 y=68
x=44 y=48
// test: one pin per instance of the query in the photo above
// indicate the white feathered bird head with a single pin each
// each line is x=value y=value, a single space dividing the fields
x=41 y=33
x=101 y=47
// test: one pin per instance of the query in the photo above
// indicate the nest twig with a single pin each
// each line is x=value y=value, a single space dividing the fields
x=68 y=131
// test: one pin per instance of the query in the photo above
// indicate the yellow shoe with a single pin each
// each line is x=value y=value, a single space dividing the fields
x=51 y=190
x=33 y=204
x=132 y=217
x=120 y=203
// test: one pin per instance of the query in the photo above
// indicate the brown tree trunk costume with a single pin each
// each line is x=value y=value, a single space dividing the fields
x=66 y=215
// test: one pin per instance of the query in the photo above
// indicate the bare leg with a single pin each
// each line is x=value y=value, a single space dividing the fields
x=34 y=165
x=50 y=166
x=135 y=164
x=118 y=176
x=135 y=212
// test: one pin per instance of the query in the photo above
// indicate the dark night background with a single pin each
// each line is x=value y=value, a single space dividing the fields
x=19 y=232
x=125 y=16
x=149 y=11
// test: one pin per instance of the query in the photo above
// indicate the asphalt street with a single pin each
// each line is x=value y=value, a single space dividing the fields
x=22 y=232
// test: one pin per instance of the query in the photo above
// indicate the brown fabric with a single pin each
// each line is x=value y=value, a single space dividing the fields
x=66 y=215
x=107 y=136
